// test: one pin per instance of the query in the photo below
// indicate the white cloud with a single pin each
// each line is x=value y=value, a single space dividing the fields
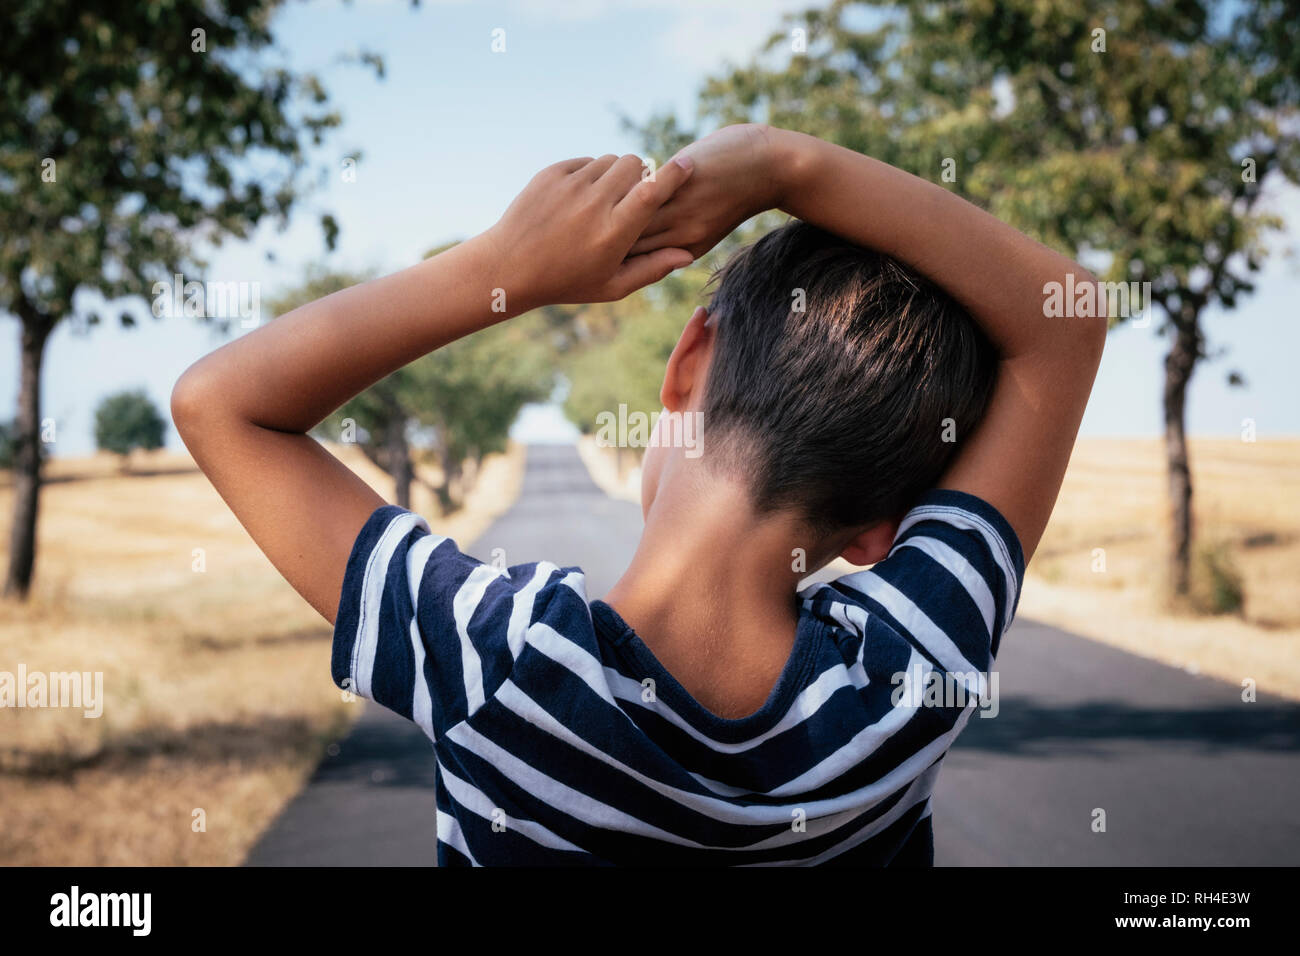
x=697 y=34
x=705 y=35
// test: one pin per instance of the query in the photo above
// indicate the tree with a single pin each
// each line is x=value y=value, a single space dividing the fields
x=618 y=352
x=622 y=348
x=471 y=391
x=1135 y=135
x=126 y=421
x=454 y=406
x=7 y=443
x=131 y=135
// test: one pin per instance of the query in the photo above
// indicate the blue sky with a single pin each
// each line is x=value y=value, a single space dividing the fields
x=455 y=130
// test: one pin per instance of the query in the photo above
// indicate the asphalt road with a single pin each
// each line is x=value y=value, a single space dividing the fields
x=1184 y=771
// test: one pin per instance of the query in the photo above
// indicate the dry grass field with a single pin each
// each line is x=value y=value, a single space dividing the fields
x=216 y=681
x=1247 y=510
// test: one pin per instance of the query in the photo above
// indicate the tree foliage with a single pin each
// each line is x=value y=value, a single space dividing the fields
x=128 y=141
x=7 y=443
x=450 y=408
x=623 y=347
x=129 y=420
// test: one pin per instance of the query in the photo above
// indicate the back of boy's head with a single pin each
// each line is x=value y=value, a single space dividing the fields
x=839 y=378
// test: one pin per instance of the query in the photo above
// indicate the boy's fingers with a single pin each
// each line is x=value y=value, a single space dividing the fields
x=567 y=166
x=622 y=176
x=638 y=207
x=639 y=271
x=668 y=237
x=665 y=218
x=598 y=167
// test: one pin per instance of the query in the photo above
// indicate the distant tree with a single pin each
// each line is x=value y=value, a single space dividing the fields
x=623 y=348
x=470 y=392
x=126 y=421
x=452 y=407
x=619 y=351
x=131 y=135
x=1134 y=135
x=7 y=444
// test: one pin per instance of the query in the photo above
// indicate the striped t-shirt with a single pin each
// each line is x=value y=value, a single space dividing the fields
x=560 y=739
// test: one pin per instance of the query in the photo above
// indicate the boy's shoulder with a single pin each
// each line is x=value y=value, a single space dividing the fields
x=950 y=584
x=411 y=598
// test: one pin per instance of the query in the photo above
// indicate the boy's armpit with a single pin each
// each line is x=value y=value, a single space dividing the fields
x=951 y=581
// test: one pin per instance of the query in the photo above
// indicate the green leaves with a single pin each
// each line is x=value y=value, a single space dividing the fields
x=126 y=421
x=1117 y=130
x=451 y=407
x=623 y=347
x=330 y=227
x=134 y=133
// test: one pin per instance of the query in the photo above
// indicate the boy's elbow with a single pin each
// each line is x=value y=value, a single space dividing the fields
x=192 y=399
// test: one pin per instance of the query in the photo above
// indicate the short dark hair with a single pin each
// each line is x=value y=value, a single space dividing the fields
x=838 y=410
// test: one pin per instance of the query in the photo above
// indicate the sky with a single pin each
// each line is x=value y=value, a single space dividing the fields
x=455 y=130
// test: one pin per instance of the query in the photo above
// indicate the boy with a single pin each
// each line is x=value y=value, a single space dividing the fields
x=703 y=713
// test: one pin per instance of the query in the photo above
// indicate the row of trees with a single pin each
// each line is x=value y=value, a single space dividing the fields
x=125 y=422
x=133 y=137
x=449 y=408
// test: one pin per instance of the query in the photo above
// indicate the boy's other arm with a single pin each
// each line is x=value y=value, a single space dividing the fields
x=1017 y=457
x=244 y=410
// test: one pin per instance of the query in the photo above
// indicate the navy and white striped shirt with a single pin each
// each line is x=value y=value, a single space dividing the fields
x=560 y=739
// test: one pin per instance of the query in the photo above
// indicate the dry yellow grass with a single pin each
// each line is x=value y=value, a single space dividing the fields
x=1246 y=499
x=216 y=683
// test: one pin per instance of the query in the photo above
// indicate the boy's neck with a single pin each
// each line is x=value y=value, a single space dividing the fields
x=711 y=588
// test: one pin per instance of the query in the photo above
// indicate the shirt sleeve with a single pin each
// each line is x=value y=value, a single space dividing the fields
x=951 y=581
x=424 y=629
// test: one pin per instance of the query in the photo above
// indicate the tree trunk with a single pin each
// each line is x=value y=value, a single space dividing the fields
x=444 y=489
x=1179 y=364
x=399 y=464
x=27 y=460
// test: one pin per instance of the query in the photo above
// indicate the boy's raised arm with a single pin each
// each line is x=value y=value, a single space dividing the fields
x=1017 y=458
x=245 y=409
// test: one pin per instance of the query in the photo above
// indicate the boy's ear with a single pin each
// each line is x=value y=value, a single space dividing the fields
x=873 y=544
x=688 y=363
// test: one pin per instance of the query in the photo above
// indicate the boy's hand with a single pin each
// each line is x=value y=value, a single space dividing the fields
x=567 y=238
x=735 y=178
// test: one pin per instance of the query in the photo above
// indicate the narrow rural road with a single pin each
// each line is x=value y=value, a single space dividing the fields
x=1185 y=772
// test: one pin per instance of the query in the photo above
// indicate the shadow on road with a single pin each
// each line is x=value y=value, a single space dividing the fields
x=1030 y=726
